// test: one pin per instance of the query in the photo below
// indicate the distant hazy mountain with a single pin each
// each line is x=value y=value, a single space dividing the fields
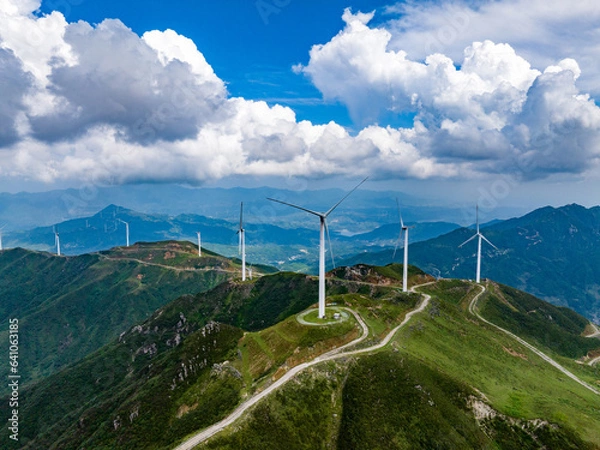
x=364 y=210
x=553 y=253
x=274 y=242
x=387 y=235
x=105 y=229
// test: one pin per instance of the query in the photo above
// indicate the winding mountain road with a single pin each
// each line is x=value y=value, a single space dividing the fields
x=329 y=356
x=596 y=332
x=542 y=355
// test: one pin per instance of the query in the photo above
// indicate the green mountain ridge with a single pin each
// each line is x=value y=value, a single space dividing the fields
x=446 y=380
x=71 y=306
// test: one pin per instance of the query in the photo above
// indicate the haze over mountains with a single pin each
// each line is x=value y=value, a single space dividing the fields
x=368 y=209
x=550 y=252
x=275 y=242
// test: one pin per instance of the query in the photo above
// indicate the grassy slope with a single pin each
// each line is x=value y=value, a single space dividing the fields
x=538 y=322
x=418 y=397
x=414 y=394
x=517 y=382
x=384 y=401
x=128 y=393
x=70 y=306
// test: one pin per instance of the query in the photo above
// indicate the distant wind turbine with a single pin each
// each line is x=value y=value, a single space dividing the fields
x=403 y=228
x=242 y=243
x=1 y=247
x=322 y=218
x=57 y=242
x=199 y=243
x=480 y=237
x=126 y=230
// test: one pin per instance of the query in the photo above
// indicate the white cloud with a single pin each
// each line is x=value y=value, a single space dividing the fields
x=471 y=111
x=14 y=85
x=542 y=31
x=100 y=103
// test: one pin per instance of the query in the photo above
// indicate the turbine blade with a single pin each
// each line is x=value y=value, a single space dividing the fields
x=477 y=216
x=241 y=215
x=345 y=197
x=298 y=207
x=399 y=213
x=329 y=242
x=486 y=240
x=468 y=240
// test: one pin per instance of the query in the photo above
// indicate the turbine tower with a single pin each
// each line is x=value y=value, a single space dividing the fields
x=126 y=230
x=199 y=243
x=57 y=242
x=1 y=248
x=480 y=237
x=403 y=228
x=322 y=218
x=242 y=243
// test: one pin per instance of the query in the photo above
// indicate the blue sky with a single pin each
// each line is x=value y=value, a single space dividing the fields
x=251 y=45
x=463 y=101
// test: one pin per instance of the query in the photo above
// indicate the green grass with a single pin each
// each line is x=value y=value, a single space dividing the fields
x=169 y=377
x=517 y=382
x=287 y=344
x=69 y=307
x=542 y=324
x=384 y=401
x=301 y=416
x=157 y=381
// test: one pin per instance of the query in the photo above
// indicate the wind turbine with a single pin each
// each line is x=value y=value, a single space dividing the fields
x=1 y=247
x=480 y=237
x=199 y=243
x=322 y=218
x=57 y=242
x=242 y=244
x=403 y=228
x=126 y=230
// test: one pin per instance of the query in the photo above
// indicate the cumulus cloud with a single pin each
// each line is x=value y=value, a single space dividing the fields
x=14 y=84
x=542 y=31
x=100 y=103
x=491 y=110
x=120 y=80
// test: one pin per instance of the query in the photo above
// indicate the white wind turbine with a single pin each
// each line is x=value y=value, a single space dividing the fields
x=126 y=230
x=322 y=218
x=1 y=247
x=57 y=242
x=242 y=243
x=403 y=228
x=480 y=237
x=199 y=243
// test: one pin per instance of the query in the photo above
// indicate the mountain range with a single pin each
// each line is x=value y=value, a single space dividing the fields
x=267 y=243
x=446 y=379
x=553 y=253
x=367 y=210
